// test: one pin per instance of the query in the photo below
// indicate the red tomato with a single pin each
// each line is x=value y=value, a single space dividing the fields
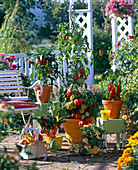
x=40 y=63
x=50 y=61
x=69 y=94
x=73 y=115
x=77 y=92
x=82 y=70
x=78 y=116
x=38 y=59
x=85 y=77
x=81 y=123
x=75 y=76
x=45 y=62
x=81 y=101
x=88 y=120
x=76 y=102
x=66 y=37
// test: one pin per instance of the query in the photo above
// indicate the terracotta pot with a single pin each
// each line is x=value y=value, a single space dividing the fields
x=44 y=98
x=93 y=150
x=71 y=128
x=114 y=106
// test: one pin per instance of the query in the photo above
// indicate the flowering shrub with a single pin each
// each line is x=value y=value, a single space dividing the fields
x=91 y=136
x=123 y=7
x=6 y=63
x=129 y=158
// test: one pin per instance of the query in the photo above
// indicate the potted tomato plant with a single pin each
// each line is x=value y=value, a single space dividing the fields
x=80 y=108
x=46 y=69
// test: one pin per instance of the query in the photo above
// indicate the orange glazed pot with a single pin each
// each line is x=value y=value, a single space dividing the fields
x=44 y=98
x=71 y=128
x=114 y=106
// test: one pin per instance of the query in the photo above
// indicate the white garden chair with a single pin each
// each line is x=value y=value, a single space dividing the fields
x=10 y=82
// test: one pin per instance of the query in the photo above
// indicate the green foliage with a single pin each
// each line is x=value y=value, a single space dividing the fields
x=55 y=12
x=45 y=64
x=74 y=47
x=101 y=41
x=17 y=30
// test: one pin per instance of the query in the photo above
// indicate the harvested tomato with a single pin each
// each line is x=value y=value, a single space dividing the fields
x=78 y=116
x=81 y=123
x=75 y=76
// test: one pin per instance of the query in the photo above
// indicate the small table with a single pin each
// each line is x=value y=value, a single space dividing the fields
x=114 y=126
x=44 y=112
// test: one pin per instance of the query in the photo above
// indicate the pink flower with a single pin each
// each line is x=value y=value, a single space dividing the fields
x=12 y=67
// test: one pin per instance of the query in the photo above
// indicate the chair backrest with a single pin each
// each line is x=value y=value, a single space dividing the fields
x=10 y=82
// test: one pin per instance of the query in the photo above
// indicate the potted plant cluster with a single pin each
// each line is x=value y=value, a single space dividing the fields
x=113 y=101
x=49 y=125
x=46 y=69
x=120 y=8
x=92 y=140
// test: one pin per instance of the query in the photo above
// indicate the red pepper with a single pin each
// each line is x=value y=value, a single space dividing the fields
x=109 y=87
x=112 y=93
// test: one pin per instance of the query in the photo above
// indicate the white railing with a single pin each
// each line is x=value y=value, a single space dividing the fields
x=27 y=69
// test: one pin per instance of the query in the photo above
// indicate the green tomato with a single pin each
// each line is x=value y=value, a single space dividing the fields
x=87 y=114
x=80 y=80
x=82 y=117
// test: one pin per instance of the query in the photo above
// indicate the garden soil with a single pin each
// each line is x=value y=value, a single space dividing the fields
x=63 y=160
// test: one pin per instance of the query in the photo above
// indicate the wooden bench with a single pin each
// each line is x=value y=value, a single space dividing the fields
x=10 y=82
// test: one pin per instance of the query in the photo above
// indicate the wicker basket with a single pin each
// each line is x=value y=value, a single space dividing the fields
x=38 y=150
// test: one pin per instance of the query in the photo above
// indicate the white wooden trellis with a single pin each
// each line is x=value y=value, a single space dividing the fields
x=121 y=29
x=84 y=19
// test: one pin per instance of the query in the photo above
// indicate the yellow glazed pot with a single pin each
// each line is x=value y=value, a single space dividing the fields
x=58 y=139
x=71 y=128
x=105 y=114
x=93 y=150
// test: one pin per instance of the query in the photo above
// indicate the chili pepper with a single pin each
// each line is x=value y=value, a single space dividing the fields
x=118 y=95
x=112 y=93
x=109 y=87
